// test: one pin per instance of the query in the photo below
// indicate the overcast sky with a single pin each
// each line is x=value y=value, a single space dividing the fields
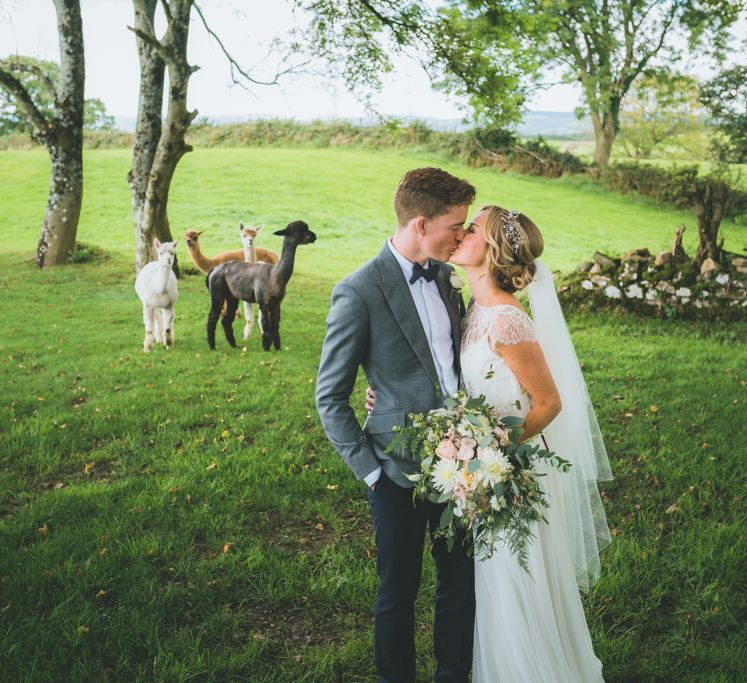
x=28 y=27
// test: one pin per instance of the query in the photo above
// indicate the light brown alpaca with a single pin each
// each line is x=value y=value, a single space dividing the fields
x=252 y=254
x=205 y=263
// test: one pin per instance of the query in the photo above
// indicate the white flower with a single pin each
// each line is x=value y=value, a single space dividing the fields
x=494 y=466
x=587 y=284
x=722 y=278
x=685 y=300
x=634 y=292
x=651 y=295
x=445 y=475
x=455 y=281
x=497 y=503
x=613 y=292
x=683 y=292
x=464 y=428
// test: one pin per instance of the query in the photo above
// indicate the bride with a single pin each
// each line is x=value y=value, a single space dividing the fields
x=530 y=627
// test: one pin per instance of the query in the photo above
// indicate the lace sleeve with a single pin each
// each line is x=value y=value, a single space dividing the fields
x=510 y=325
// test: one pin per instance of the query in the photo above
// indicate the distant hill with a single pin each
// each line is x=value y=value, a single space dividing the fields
x=550 y=124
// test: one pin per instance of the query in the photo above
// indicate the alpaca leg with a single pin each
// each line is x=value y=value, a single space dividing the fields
x=214 y=315
x=276 y=328
x=232 y=303
x=168 y=326
x=148 y=320
x=266 y=327
x=158 y=325
x=249 y=319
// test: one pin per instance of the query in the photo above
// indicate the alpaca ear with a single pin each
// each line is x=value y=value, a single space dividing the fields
x=157 y=243
x=241 y=225
x=260 y=226
x=200 y=233
x=280 y=232
x=175 y=243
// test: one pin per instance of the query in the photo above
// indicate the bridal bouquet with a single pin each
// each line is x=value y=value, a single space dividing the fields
x=471 y=459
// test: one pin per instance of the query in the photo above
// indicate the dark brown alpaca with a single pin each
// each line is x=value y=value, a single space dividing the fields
x=259 y=283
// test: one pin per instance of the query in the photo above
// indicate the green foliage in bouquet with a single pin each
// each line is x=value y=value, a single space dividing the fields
x=473 y=461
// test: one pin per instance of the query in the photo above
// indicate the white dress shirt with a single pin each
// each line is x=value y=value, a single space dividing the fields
x=437 y=327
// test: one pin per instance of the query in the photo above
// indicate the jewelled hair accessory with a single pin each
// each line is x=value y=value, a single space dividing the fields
x=511 y=229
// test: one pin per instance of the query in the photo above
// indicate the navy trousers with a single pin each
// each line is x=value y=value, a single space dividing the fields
x=400 y=535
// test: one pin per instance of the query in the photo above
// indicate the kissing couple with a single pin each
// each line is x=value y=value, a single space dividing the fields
x=402 y=318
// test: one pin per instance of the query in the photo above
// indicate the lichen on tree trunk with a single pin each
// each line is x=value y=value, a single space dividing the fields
x=59 y=229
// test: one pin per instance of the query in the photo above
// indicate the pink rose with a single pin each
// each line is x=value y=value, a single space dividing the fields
x=469 y=442
x=460 y=493
x=465 y=452
x=446 y=450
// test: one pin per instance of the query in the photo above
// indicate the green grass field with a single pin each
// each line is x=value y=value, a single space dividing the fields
x=180 y=516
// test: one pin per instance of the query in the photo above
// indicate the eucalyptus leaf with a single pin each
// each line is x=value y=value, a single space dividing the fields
x=473 y=466
x=473 y=420
x=446 y=517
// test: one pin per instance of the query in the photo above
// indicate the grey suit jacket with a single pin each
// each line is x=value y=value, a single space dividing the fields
x=373 y=323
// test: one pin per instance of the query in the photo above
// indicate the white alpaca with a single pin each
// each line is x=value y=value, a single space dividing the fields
x=156 y=287
x=251 y=254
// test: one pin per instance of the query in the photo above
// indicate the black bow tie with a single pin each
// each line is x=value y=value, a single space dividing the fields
x=428 y=274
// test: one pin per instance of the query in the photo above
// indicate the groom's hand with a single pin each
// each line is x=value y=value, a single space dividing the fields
x=370 y=400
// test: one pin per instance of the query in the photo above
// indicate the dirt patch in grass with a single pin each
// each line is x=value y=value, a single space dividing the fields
x=300 y=624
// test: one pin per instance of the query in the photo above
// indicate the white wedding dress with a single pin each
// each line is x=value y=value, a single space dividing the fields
x=528 y=629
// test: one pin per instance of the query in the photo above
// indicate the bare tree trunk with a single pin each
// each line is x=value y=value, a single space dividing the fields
x=711 y=198
x=158 y=148
x=147 y=133
x=604 y=135
x=62 y=134
x=60 y=226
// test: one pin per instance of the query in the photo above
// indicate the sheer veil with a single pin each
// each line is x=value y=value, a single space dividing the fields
x=574 y=434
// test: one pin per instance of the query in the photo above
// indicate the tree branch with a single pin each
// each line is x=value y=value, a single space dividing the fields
x=236 y=67
x=17 y=90
x=149 y=38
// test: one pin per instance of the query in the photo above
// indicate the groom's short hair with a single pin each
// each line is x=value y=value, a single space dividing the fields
x=430 y=192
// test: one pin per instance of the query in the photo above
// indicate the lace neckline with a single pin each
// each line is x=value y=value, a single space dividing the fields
x=487 y=308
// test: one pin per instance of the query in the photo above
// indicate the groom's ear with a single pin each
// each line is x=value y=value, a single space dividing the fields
x=420 y=225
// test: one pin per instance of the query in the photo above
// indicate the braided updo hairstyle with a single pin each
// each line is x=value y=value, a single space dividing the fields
x=511 y=258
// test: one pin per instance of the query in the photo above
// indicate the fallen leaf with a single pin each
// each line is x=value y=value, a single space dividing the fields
x=319 y=527
x=88 y=468
x=43 y=530
x=654 y=408
x=101 y=595
x=103 y=551
x=331 y=487
x=212 y=465
x=226 y=548
x=671 y=509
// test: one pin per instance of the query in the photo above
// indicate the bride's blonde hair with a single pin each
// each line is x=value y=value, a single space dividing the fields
x=514 y=241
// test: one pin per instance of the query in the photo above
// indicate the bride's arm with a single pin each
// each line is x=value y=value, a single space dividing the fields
x=528 y=364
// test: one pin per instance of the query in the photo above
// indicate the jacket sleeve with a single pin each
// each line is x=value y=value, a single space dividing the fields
x=344 y=350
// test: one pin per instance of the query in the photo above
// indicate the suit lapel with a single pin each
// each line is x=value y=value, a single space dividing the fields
x=452 y=308
x=399 y=299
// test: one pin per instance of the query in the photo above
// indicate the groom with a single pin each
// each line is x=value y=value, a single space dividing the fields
x=399 y=318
